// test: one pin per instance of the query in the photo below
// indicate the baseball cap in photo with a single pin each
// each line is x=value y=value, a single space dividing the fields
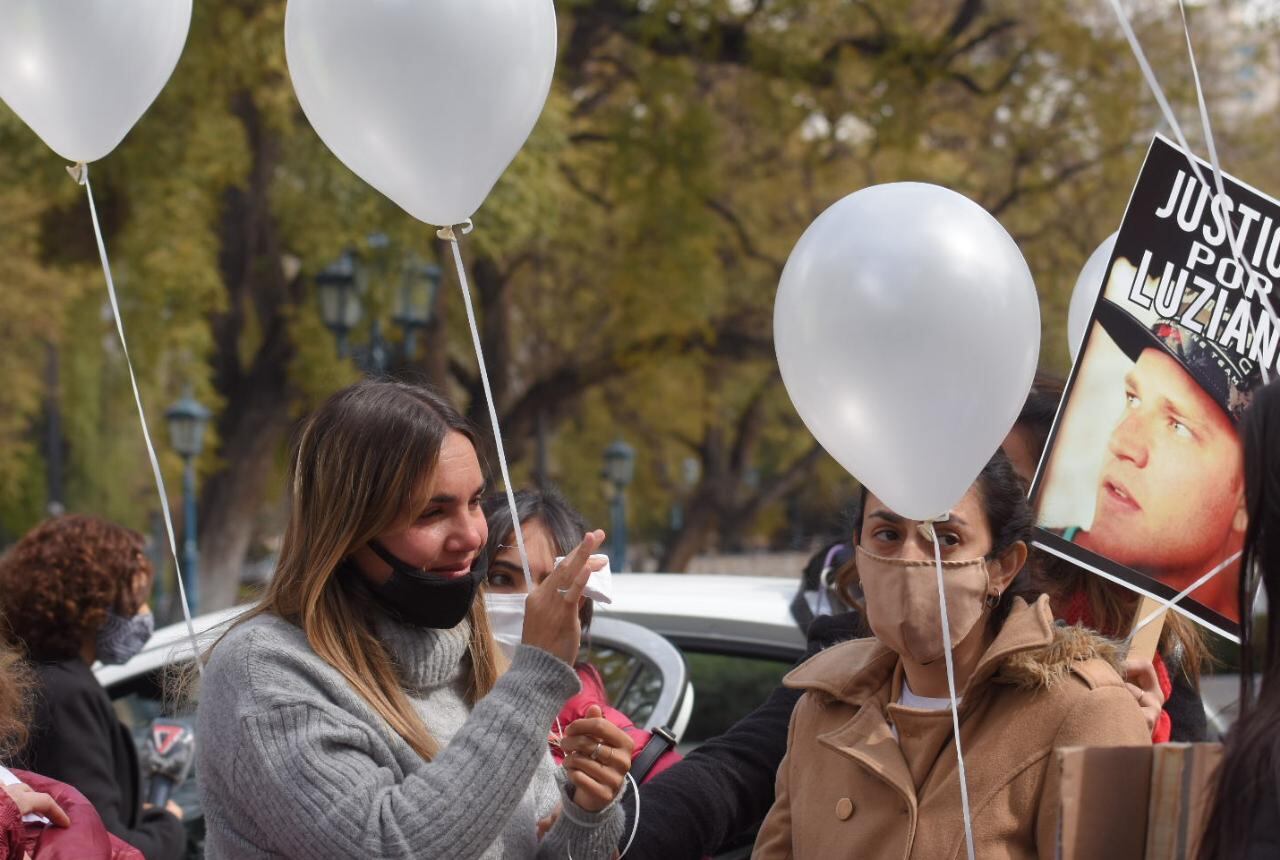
x=1226 y=376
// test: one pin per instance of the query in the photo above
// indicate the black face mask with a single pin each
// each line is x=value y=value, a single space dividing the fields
x=421 y=599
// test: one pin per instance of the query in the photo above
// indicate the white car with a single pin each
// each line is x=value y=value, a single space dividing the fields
x=692 y=653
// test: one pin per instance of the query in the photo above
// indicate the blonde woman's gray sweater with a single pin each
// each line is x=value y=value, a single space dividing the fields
x=292 y=762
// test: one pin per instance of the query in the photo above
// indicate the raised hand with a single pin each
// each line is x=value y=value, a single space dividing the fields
x=551 y=610
x=597 y=759
x=32 y=802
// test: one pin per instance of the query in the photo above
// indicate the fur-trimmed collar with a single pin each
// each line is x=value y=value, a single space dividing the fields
x=1049 y=665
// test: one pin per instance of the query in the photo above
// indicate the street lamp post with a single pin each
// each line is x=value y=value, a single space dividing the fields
x=343 y=285
x=338 y=291
x=619 y=470
x=415 y=303
x=187 y=421
x=690 y=472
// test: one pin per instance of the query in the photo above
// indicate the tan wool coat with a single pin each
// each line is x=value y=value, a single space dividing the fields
x=848 y=789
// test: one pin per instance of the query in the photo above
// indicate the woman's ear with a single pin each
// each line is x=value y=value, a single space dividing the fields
x=1007 y=565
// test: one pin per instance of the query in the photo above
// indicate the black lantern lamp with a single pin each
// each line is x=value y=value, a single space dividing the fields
x=415 y=301
x=338 y=288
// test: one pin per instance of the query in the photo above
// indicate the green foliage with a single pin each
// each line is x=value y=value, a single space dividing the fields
x=634 y=246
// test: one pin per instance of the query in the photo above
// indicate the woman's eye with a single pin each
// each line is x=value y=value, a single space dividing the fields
x=475 y=503
x=885 y=534
x=1180 y=429
x=947 y=539
x=1132 y=399
x=429 y=514
x=500 y=580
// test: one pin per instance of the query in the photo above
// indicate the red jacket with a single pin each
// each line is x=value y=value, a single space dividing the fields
x=1077 y=612
x=86 y=839
x=593 y=693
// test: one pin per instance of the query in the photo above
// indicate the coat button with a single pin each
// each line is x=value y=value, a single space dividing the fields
x=844 y=808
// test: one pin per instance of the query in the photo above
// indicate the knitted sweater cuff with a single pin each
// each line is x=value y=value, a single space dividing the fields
x=579 y=833
x=540 y=680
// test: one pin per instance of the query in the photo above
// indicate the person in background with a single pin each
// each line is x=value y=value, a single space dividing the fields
x=1168 y=686
x=362 y=708
x=1245 y=821
x=41 y=817
x=870 y=768
x=551 y=528
x=818 y=593
x=74 y=591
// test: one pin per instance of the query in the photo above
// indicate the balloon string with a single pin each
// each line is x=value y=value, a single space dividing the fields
x=635 y=824
x=951 y=690
x=1240 y=257
x=1166 y=605
x=450 y=236
x=1172 y=120
x=80 y=173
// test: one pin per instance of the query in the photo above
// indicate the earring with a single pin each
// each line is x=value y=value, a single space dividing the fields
x=993 y=600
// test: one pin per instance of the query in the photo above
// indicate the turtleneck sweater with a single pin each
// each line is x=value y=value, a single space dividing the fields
x=292 y=762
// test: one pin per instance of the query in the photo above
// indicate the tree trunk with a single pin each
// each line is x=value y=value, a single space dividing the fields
x=252 y=429
x=495 y=338
x=256 y=415
x=701 y=520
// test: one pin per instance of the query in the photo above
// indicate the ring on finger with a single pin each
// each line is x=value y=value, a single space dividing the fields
x=595 y=753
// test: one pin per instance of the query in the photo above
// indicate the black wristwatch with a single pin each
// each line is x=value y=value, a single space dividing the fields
x=661 y=741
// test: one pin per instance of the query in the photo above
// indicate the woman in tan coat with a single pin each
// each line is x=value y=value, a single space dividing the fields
x=871 y=768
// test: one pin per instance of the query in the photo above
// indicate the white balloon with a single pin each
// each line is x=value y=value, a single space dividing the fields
x=427 y=100
x=1085 y=295
x=82 y=72
x=907 y=329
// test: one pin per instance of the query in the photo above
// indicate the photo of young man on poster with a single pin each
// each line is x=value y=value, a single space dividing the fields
x=1170 y=495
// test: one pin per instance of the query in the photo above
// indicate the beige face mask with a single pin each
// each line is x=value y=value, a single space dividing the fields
x=902 y=602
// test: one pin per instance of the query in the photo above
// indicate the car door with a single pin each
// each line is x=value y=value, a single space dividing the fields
x=644 y=674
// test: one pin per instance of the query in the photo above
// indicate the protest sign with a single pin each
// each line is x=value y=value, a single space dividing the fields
x=1149 y=802
x=1142 y=480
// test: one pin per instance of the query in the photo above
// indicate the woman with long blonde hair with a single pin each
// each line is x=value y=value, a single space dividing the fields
x=362 y=709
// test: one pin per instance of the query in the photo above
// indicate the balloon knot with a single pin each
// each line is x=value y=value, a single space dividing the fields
x=448 y=234
x=79 y=172
x=926 y=527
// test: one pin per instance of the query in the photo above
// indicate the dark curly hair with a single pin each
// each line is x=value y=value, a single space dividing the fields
x=58 y=583
x=16 y=683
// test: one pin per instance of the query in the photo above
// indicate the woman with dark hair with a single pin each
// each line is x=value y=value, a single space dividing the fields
x=1245 y=823
x=1168 y=686
x=362 y=708
x=871 y=768
x=723 y=789
x=550 y=527
x=74 y=591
